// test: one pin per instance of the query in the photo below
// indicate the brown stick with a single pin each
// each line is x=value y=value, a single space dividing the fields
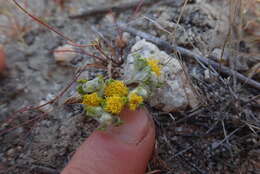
x=119 y=8
x=170 y=48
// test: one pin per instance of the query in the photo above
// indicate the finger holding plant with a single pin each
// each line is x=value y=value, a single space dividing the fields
x=104 y=99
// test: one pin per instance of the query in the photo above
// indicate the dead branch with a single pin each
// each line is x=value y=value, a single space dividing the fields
x=120 y=7
x=170 y=48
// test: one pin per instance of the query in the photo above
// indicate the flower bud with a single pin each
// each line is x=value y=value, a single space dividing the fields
x=105 y=119
x=141 y=76
x=141 y=91
x=94 y=111
x=140 y=63
x=93 y=85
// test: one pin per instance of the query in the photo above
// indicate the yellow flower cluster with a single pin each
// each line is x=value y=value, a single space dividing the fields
x=134 y=101
x=112 y=99
x=91 y=99
x=154 y=66
x=114 y=104
x=116 y=87
x=115 y=92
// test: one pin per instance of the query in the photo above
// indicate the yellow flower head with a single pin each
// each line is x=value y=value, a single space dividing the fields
x=154 y=66
x=134 y=101
x=91 y=99
x=116 y=87
x=114 y=104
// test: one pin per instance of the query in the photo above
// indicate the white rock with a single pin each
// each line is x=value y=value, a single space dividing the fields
x=47 y=108
x=64 y=54
x=216 y=55
x=177 y=93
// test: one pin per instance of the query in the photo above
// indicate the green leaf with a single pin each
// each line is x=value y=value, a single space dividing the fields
x=80 y=90
x=82 y=81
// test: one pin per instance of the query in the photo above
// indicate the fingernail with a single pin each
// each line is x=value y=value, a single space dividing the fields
x=135 y=127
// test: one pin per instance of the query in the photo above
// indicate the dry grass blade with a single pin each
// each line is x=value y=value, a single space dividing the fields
x=254 y=70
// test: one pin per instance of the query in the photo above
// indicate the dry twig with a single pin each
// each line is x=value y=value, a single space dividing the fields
x=170 y=48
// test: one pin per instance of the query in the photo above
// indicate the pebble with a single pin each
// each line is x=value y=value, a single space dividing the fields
x=65 y=57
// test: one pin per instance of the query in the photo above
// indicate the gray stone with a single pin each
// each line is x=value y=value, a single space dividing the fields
x=216 y=55
x=176 y=93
